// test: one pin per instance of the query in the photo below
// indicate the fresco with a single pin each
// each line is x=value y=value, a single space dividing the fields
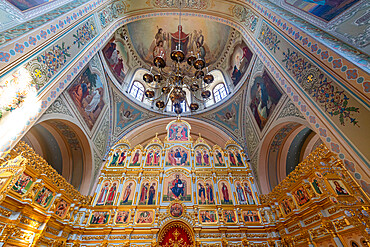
x=128 y=191
x=136 y=156
x=87 y=93
x=301 y=196
x=229 y=216
x=207 y=216
x=126 y=114
x=324 y=9
x=244 y=193
x=159 y=36
x=177 y=187
x=229 y=116
x=62 y=208
x=240 y=59
x=119 y=157
x=177 y=156
x=44 y=197
x=218 y=157
x=116 y=56
x=264 y=98
x=122 y=217
x=27 y=5
x=144 y=217
x=148 y=193
x=23 y=184
x=153 y=157
x=205 y=192
x=225 y=192
x=99 y=218
x=202 y=157
x=178 y=131
x=251 y=216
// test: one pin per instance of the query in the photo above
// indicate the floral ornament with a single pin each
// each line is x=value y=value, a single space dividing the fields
x=270 y=39
x=320 y=87
x=84 y=34
x=4 y=57
x=54 y=58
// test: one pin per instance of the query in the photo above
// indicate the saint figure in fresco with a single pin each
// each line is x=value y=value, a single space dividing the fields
x=339 y=189
x=135 y=159
x=248 y=194
x=198 y=158
x=103 y=194
x=316 y=186
x=156 y=158
x=126 y=194
x=149 y=158
x=145 y=217
x=209 y=191
x=177 y=187
x=61 y=208
x=122 y=217
x=171 y=158
x=240 y=193
x=202 y=194
x=219 y=158
x=151 y=194
x=180 y=37
x=225 y=193
x=184 y=158
x=178 y=156
x=239 y=158
x=229 y=216
x=114 y=158
x=144 y=193
x=301 y=196
x=122 y=158
x=111 y=195
x=206 y=157
x=232 y=158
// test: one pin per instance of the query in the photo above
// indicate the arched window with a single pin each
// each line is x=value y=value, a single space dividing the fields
x=219 y=92
x=137 y=90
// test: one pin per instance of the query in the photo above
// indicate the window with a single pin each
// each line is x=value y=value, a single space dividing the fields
x=219 y=92
x=137 y=90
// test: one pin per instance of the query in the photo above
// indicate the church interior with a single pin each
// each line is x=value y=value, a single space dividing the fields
x=181 y=123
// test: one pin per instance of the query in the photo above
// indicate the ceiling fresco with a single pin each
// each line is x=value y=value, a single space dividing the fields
x=160 y=36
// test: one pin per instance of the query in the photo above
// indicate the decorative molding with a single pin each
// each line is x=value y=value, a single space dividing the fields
x=101 y=137
x=59 y=106
x=290 y=110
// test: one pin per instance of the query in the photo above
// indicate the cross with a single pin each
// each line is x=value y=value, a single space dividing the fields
x=176 y=234
x=309 y=78
x=38 y=73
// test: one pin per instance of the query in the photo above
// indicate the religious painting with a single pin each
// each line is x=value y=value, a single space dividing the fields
x=326 y=10
x=122 y=217
x=225 y=192
x=128 y=191
x=205 y=192
x=28 y=5
x=176 y=210
x=240 y=59
x=218 y=157
x=126 y=114
x=99 y=218
x=178 y=131
x=207 y=216
x=196 y=36
x=316 y=185
x=301 y=196
x=244 y=193
x=287 y=206
x=44 y=197
x=112 y=193
x=103 y=193
x=235 y=158
x=178 y=156
x=251 y=216
x=148 y=192
x=229 y=116
x=177 y=187
x=153 y=157
x=62 y=208
x=229 y=216
x=87 y=93
x=23 y=184
x=264 y=98
x=144 y=217
x=136 y=156
x=338 y=187
x=118 y=157
x=116 y=56
x=202 y=157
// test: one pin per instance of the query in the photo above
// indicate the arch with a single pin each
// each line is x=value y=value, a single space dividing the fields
x=66 y=148
x=175 y=231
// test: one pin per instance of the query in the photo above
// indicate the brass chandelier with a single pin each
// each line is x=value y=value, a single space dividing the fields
x=170 y=85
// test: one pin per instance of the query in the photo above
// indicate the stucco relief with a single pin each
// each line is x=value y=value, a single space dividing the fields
x=290 y=110
x=59 y=107
x=198 y=4
x=101 y=137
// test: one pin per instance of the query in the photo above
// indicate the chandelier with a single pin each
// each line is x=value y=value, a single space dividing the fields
x=172 y=83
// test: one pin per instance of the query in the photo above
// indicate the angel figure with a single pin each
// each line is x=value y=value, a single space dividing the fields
x=126 y=115
x=228 y=116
